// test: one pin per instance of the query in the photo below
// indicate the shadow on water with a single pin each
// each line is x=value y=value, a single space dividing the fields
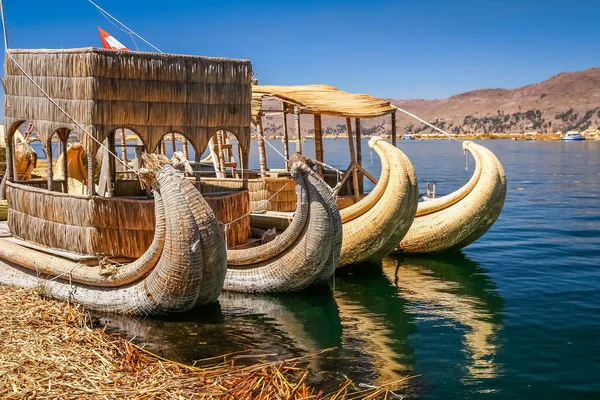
x=279 y=326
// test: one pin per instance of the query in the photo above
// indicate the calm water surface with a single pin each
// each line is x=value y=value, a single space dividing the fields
x=514 y=315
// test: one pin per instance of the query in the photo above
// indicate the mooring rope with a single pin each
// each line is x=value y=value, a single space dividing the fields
x=450 y=137
x=7 y=50
x=128 y=29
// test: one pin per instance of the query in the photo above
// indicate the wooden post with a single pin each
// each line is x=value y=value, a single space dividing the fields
x=124 y=145
x=298 y=132
x=352 y=160
x=173 y=144
x=319 y=143
x=220 y=154
x=394 y=128
x=49 y=159
x=244 y=165
x=112 y=167
x=286 y=139
x=9 y=142
x=184 y=147
x=262 y=153
x=359 y=155
x=64 y=141
x=91 y=167
x=163 y=147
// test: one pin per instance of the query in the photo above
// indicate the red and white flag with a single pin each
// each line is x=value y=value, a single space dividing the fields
x=109 y=42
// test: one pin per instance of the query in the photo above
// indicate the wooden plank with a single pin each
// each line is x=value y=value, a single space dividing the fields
x=271 y=219
x=367 y=174
x=345 y=177
x=319 y=143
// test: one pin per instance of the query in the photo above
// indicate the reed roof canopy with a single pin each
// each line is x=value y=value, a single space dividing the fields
x=152 y=94
x=321 y=99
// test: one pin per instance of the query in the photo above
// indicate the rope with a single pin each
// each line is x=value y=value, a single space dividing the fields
x=273 y=147
x=450 y=137
x=128 y=30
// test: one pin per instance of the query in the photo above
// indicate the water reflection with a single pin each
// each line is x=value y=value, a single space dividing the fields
x=454 y=290
x=282 y=326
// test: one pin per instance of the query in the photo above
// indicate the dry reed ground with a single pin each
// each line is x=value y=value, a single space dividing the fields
x=49 y=350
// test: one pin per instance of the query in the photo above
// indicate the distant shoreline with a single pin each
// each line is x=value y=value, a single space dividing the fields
x=488 y=136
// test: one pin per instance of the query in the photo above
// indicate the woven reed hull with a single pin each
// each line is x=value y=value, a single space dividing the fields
x=374 y=226
x=272 y=194
x=307 y=252
x=457 y=220
x=184 y=266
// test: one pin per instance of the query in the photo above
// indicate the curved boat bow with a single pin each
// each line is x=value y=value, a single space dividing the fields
x=306 y=252
x=458 y=219
x=184 y=266
x=374 y=226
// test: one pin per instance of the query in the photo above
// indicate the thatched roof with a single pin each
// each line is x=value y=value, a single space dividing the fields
x=322 y=99
x=149 y=93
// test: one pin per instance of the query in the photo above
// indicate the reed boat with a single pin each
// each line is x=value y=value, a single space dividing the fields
x=117 y=247
x=306 y=252
x=458 y=219
x=372 y=224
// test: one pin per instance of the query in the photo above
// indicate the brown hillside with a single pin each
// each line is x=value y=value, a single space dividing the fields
x=566 y=101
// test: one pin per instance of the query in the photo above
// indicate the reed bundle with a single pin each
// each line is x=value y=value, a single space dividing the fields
x=228 y=207
x=322 y=99
x=149 y=93
x=107 y=226
x=273 y=194
x=51 y=350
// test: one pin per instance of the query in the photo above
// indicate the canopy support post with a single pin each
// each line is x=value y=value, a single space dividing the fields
x=319 y=143
x=163 y=147
x=184 y=147
x=286 y=139
x=298 y=132
x=220 y=154
x=394 y=128
x=124 y=146
x=359 y=155
x=49 y=159
x=262 y=153
x=91 y=167
x=353 y=161
x=112 y=166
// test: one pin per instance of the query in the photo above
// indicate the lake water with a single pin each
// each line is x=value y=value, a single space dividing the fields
x=514 y=315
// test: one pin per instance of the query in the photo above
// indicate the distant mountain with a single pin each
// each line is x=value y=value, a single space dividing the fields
x=569 y=100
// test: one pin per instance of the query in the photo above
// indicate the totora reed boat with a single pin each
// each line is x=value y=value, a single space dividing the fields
x=373 y=224
x=458 y=219
x=114 y=247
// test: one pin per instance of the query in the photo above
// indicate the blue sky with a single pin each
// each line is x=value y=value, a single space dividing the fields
x=399 y=49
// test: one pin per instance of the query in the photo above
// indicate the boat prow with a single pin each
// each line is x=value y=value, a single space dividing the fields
x=458 y=219
x=185 y=264
x=374 y=225
x=306 y=252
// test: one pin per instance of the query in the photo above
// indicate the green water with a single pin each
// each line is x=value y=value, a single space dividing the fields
x=515 y=315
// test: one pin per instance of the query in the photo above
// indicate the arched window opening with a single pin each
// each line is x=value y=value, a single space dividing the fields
x=66 y=163
x=28 y=149
x=222 y=157
x=173 y=142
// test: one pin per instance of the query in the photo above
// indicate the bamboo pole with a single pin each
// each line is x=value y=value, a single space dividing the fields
x=394 y=128
x=319 y=143
x=50 y=177
x=352 y=160
x=298 y=132
x=262 y=153
x=359 y=155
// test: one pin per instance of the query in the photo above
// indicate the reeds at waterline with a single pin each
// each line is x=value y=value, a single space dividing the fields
x=51 y=350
